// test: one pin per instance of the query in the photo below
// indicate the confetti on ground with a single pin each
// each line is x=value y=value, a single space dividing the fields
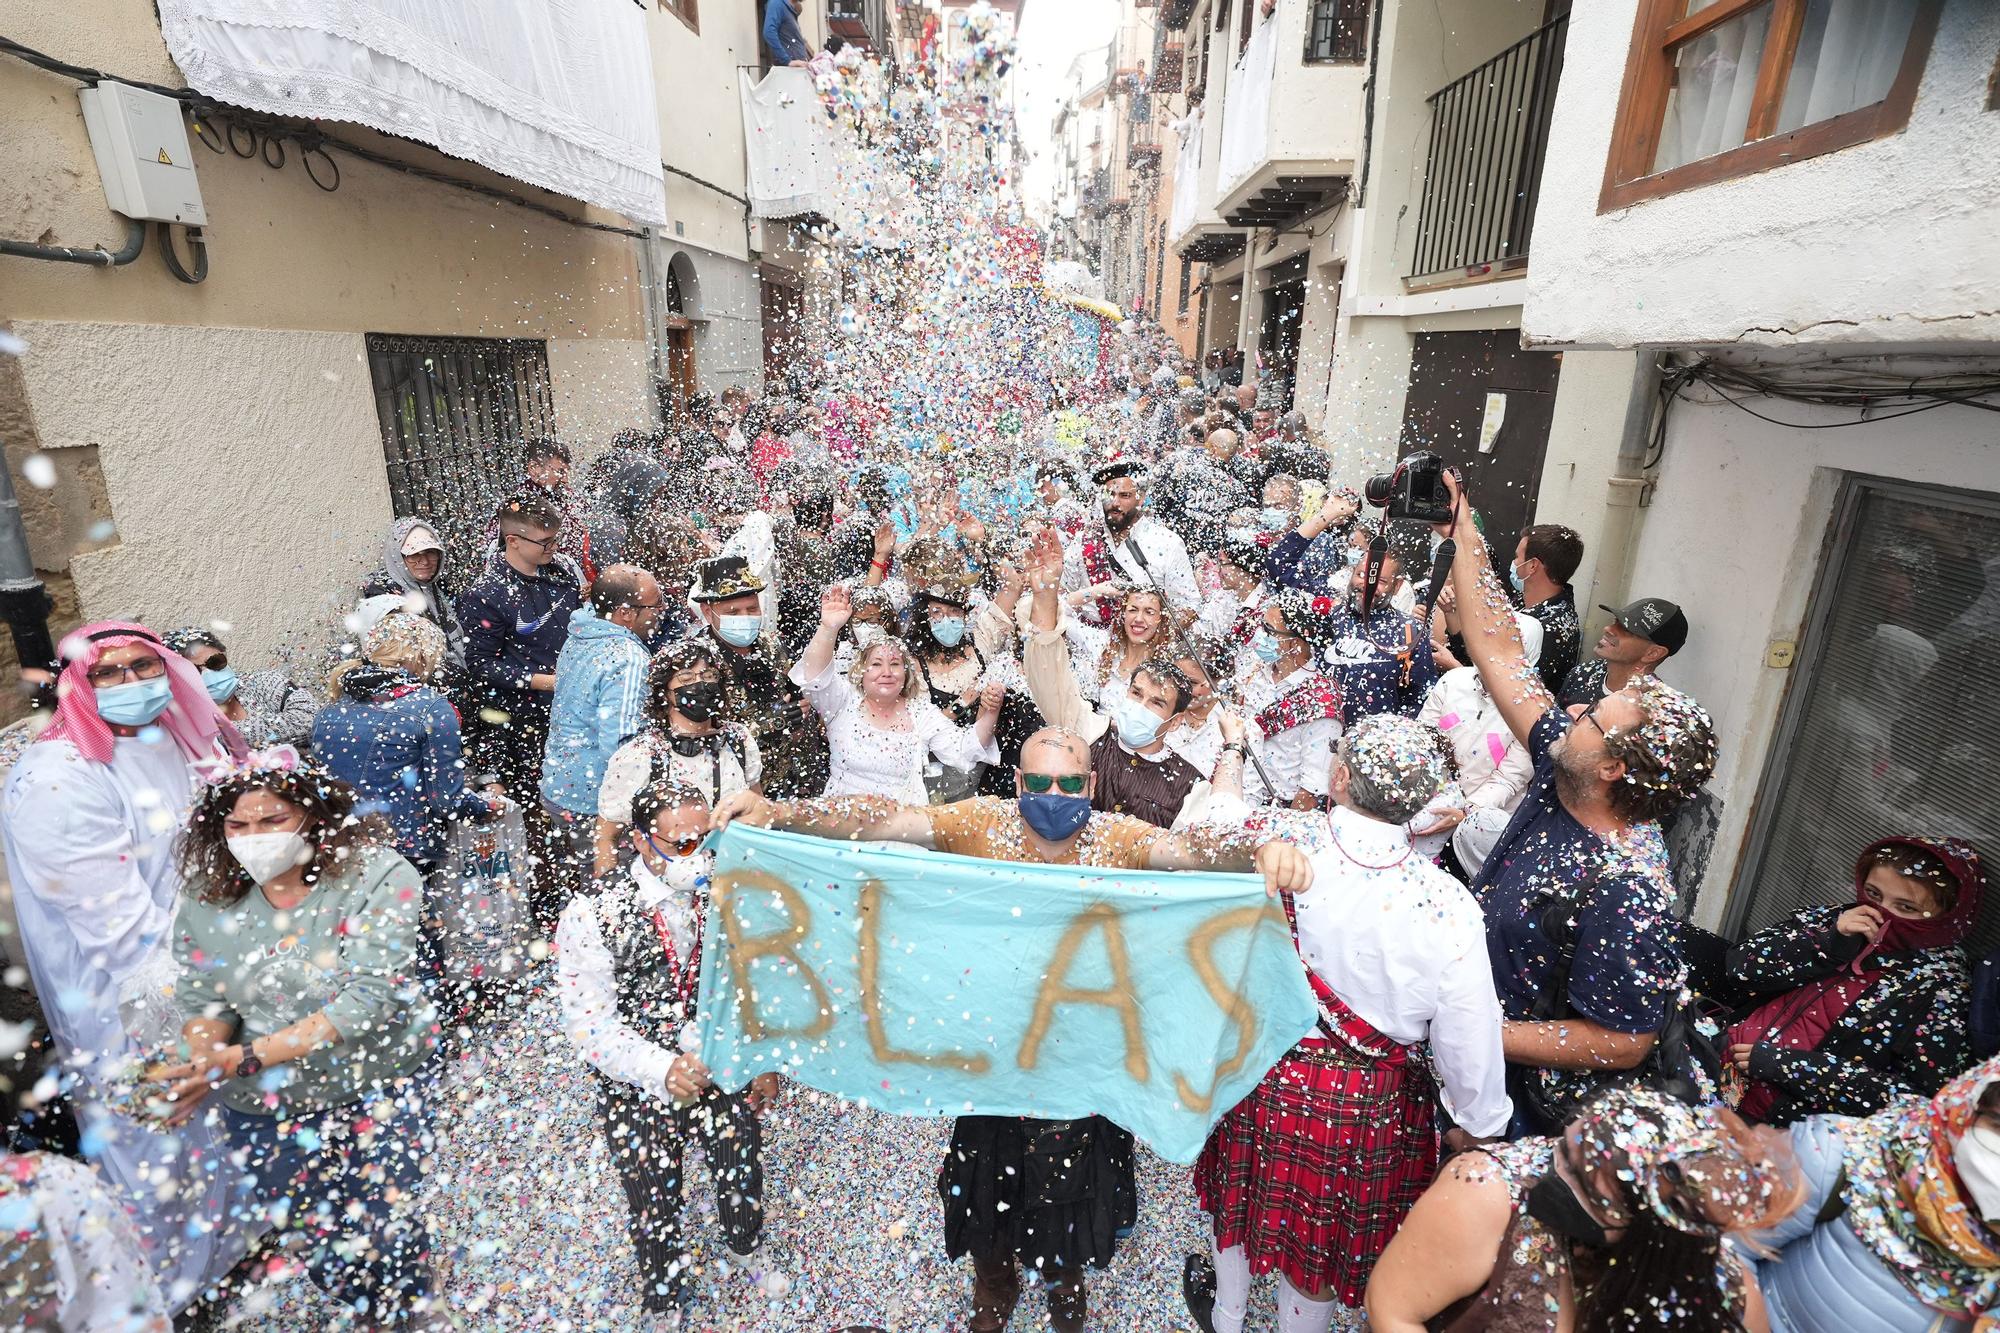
x=531 y=1227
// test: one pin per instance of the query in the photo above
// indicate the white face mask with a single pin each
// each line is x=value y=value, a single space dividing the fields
x=265 y=856
x=1978 y=1160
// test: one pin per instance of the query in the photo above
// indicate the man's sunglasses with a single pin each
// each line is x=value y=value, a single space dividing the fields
x=214 y=662
x=680 y=847
x=1590 y=715
x=1072 y=784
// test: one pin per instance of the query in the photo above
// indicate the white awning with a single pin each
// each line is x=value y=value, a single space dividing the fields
x=555 y=93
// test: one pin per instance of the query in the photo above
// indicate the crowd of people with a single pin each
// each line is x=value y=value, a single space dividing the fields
x=1149 y=629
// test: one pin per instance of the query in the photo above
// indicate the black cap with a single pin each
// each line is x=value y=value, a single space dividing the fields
x=1122 y=467
x=1654 y=619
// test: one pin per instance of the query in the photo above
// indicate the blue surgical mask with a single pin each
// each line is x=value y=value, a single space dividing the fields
x=949 y=630
x=221 y=685
x=136 y=704
x=1138 y=725
x=1353 y=557
x=1265 y=645
x=1515 y=581
x=1276 y=516
x=1054 y=815
x=739 y=631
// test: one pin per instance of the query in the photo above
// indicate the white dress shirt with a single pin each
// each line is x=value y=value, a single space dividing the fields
x=1403 y=944
x=587 y=986
x=1166 y=566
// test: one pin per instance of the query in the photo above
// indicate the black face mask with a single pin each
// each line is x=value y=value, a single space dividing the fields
x=1554 y=1204
x=699 y=701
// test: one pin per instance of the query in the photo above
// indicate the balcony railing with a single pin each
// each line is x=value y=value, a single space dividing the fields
x=1489 y=138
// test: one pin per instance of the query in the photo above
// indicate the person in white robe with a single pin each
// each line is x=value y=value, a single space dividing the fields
x=89 y=817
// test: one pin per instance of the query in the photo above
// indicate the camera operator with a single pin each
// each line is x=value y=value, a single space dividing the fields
x=1580 y=927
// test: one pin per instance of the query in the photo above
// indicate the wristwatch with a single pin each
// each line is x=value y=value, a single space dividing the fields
x=1236 y=748
x=250 y=1066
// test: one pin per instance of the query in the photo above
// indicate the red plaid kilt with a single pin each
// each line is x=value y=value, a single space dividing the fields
x=1314 y=1171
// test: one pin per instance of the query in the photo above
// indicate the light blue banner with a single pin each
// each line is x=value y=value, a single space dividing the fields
x=927 y=984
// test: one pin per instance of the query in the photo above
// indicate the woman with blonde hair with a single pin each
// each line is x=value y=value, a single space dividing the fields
x=393 y=737
x=881 y=726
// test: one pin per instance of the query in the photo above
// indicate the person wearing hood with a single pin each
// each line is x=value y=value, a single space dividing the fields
x=391 y=736
x=413 y=567
x=1861 y=1002
x=628 y=975
x=1899 y=1229
x=265 y=706
x=89 y=815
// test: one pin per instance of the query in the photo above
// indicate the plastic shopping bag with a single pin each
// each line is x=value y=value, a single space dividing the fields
x=479 y=906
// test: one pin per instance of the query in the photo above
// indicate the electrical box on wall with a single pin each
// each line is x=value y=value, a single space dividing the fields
x=141 y=145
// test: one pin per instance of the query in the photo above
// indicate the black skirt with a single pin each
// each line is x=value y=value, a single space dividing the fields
x=1053 y=1193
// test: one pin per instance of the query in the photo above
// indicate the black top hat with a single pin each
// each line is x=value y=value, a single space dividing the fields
x=1654 y=619
x=721 y=577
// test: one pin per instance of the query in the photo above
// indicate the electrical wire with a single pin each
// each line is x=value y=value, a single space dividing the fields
x=1836 y=382
x=265 y=136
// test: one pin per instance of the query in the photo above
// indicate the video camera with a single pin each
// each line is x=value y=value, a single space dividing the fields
x=1414 y=490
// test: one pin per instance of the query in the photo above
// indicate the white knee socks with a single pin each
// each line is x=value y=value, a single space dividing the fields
x=1232 y=1288
x=1297 y=1314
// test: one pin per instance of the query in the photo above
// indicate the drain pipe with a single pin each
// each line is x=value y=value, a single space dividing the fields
x=1627 y=492
x=24 y=602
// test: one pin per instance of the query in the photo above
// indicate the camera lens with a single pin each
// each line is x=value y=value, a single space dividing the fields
x=1377 y=489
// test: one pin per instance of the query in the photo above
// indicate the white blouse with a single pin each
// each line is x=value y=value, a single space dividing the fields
x=868 y=761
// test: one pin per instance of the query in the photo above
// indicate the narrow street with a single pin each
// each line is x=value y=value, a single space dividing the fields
x=951 y=666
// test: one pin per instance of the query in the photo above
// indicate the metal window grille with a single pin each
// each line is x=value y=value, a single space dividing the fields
x=456 y=416
x=1338 y=31
x=1187 y=273
x=1877 y=735
x=1483 y=171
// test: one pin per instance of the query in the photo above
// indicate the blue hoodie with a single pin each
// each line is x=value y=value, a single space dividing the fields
x=600 y=702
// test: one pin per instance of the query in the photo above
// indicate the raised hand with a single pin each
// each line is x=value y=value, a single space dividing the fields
x=836 y=606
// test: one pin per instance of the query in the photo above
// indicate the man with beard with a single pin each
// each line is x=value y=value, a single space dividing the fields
x=755 y=688
x=1132 y=547
x=1049 y=1195
x=1580 y=926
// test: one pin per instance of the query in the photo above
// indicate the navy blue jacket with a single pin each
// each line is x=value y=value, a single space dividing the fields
x=515 y=627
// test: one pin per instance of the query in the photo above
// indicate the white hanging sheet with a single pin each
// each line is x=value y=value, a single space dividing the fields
x=1187 y=175
x=786 y=139
x=1246 y=119
x=555 y=93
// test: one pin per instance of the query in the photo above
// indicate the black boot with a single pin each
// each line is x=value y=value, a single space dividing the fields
x=1198 y=1290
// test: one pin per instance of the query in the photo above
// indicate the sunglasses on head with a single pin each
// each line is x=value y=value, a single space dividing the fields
x=687 y=846
x=1072 y=784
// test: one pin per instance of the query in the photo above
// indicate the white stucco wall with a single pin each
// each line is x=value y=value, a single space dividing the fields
x=1592 y=395
x=1892 y=240
x=1734 y=534
x=251 y=489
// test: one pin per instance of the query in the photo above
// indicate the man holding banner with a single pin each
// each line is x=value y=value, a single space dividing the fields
x=1051 y=1195
x=1312 y=1173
